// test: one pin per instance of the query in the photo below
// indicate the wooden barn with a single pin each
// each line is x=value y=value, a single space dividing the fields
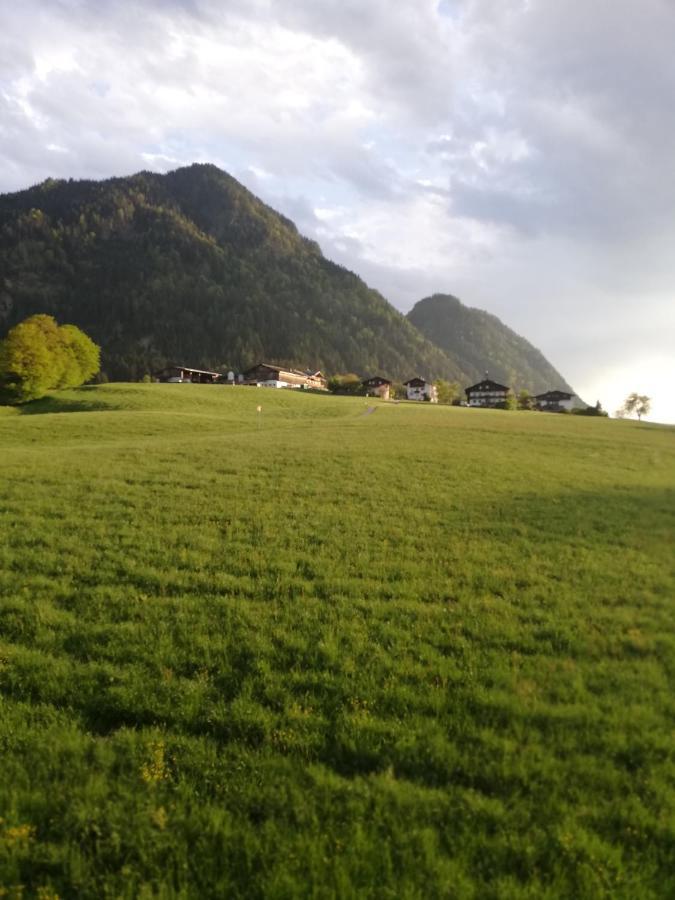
x=183 y=374
x=270 y=375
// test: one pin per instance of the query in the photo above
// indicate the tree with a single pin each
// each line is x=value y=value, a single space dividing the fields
x=511 y=402
x=638 y=404
x=345 y=384
x=525 y=400
x=82 y=357
x=448 y=391
x=37 y=356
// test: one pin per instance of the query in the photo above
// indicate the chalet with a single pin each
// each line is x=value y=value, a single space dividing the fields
x=419 y=389
x=268 y=375
x=183 y=374
x=554 y=401
x=487 y=393
x=377 y=387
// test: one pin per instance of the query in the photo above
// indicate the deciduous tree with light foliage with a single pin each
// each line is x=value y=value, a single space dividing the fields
x=635 y=404
x=38 y=356
x=449 y=392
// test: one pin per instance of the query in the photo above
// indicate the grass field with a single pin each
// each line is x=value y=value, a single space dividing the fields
x=417 y=653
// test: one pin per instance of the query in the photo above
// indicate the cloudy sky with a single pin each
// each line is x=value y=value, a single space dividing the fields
x=517 y=153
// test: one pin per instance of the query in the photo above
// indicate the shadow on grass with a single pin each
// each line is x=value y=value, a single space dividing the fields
x=53 y=403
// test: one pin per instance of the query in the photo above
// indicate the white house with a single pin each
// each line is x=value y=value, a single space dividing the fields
x=419 y=389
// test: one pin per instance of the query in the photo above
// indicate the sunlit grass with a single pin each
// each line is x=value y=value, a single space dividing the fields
x=307 y=652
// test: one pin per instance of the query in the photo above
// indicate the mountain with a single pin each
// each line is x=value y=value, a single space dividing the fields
x=191 y=267
x=480 y=342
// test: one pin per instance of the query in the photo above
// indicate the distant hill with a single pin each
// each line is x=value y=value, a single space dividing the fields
x=191 y=267
x=479 y=341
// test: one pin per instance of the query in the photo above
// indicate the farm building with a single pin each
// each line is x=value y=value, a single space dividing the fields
x=487 y=393
x=269 y=375
x=377 y=387
x=419 y=389
x=554 y=401
x=183 y=374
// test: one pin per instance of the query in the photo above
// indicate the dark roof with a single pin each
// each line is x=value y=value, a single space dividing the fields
x=487 y=385
x=554 y=395
x=279 y=368
x=416 y=382
x=376 y=380
x=187 y=369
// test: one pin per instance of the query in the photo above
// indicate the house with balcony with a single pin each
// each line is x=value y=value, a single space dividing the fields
x=419 y=389
x=487 y=394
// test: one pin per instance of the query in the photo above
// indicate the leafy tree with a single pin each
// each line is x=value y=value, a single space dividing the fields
x=511 y=401
x=31 y=360
x=38 y=356
x=345 y=384
x=449 y=392
x=636 y=404
x=525 y=400
x=82 y=357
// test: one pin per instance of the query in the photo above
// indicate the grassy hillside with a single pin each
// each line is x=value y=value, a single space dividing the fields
x=191 y=267
x=479 y=341
x=325 y=651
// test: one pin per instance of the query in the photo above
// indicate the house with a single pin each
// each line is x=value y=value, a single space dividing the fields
x=270 y=375
x=487 y=393
x=554 y=401
x=183 y=374
x=377 y=387
x=419 y=389
x=316 y=379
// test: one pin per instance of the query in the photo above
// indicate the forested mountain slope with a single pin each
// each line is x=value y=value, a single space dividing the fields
x=192 y=267
x=479 y=341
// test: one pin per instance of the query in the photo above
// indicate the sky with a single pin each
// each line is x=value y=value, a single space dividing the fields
x=519 y=154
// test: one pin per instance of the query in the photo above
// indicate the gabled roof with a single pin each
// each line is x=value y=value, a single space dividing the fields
x=554 y=395
x=187 y=369
x=416 y=382
x=376 y=379
x=275 y=367
x=487 y=385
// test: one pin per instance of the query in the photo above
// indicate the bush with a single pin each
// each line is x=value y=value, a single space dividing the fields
x=345 y=384
x=38 y=356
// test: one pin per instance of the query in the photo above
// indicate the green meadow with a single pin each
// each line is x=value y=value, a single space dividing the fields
x=327 y=652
